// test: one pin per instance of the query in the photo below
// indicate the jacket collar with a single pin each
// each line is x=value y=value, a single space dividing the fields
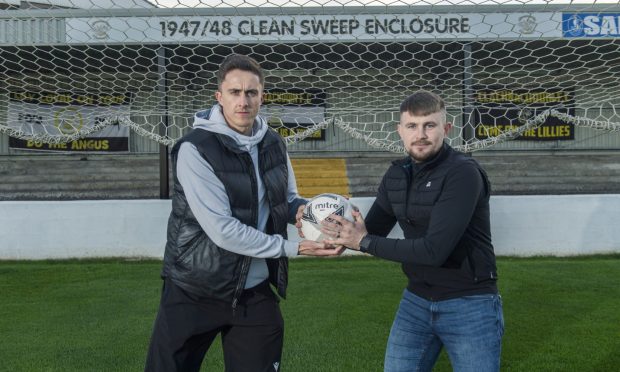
x=408 y=162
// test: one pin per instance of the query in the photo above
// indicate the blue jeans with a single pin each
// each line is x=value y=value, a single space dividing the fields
x=470 y=328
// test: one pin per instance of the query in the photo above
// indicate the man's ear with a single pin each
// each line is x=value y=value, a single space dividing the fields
x=218 y=96
x=447 y=127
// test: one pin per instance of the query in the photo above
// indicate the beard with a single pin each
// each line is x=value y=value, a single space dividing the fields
x=426 y=154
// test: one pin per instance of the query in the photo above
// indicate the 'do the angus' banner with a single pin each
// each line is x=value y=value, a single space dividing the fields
x=67 y=113
x=292 y=111
x=502 y=110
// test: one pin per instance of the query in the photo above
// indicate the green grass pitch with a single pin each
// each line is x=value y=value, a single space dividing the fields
x=561 y=314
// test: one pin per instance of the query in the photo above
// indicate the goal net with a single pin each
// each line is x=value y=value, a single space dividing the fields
x=544 y=74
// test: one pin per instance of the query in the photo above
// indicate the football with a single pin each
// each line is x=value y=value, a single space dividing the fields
x=319 y=208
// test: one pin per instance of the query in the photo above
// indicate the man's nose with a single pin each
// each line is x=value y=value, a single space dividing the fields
x=243 y=100
x=420 y=132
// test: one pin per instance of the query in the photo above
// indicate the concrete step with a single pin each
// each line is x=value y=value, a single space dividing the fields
x=503 y=186
x=80 y=186
x=304 y=174
x=517 y=174
x=68 y=194
x=324 y=182
x=559 y=189
x=62 y=168
x=310 y=191
x=534 y=171
x=78 y=176
x=548 y=180
x=318 y=176
x=25 y=178
x=317 y=161
x=364 y=190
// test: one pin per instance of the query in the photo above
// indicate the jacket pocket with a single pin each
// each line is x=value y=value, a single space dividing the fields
x=190 y=248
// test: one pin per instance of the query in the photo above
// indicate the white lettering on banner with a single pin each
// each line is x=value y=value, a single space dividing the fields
x=308 y=27
x=605 y=25
x=591 y=24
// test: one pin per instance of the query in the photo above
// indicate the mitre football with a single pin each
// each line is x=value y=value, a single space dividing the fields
x=319 y=208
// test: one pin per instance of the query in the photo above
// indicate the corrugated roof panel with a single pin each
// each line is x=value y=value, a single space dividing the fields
x=33 y=31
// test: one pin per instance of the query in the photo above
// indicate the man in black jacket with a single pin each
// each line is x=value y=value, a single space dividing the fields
x=234 y=193
x=440 y=199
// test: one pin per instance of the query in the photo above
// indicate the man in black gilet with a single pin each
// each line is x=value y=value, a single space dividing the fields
x=234 y=193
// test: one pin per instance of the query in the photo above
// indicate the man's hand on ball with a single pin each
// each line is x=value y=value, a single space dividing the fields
x=298 y=216
x=310 y=248
x=344 y=232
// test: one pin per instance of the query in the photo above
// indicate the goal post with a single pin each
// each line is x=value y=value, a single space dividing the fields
x=515 y=75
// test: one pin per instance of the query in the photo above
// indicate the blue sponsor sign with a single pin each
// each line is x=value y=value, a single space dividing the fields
x=591 y=24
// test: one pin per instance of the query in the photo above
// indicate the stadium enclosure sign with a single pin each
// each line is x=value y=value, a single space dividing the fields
x=291 y=111
x=53 y=113
x=312 y=28
x=502 y=110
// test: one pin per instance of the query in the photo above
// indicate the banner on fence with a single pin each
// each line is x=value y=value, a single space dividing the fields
x=502 y=110
x=51 y=113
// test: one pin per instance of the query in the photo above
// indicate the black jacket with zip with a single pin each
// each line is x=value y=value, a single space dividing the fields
x=442 y=206
x=192 y=260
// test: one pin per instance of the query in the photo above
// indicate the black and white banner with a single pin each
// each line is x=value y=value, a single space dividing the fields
x=292 y=111
x=503 y=110
x=42 y=113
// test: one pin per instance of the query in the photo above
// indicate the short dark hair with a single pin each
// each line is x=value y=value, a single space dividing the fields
x=423 y=103
x=239 y=62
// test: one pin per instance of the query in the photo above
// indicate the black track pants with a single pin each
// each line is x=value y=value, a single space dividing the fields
x=186 y=325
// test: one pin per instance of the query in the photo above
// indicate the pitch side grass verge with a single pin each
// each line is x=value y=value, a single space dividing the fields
x=562 y=314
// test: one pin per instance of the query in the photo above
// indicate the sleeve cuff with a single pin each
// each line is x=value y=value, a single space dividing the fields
x=291 y=249
x=368 y=244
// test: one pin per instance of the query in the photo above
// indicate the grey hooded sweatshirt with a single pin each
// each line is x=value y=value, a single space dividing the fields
x=209 y=202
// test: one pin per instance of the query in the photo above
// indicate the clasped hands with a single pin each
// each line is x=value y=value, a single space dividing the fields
x=342 y=234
